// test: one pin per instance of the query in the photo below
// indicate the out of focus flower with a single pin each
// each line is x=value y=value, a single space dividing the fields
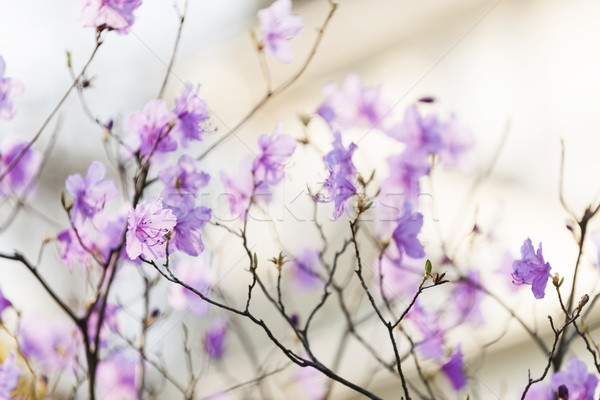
x=20 y=179
x=152 y=129
x=453 y=370
x=76 y=247
x=405 y=235
x=4 y=304
x=192 y=113
x=457 y=142
x=51 y=343
x=428 y=323
x=147 y=227
x=90 y=194
x=9 y=88
x=214 y=341
x=420 y=134
x=9 y=376
x=197 y=275
x=116 y=377
x=466 y=300
x=182 y=182
x=186 y=234
x=581 y=385
x=279 y=26
x=353 y=105
x=112 y=14
x=275 y=150
x=531 y=269
x=109 y=321
x=304 y=268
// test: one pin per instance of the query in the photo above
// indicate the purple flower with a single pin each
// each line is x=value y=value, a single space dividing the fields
x=9 y=376
x=275 y=150
x=338 y=187
x=279 y=26
x=90 y=194
x=466 y=298
x=353 y=105
x=72 y=247
x=399 y=277
x=9 y=88
x=457 y=141
x=214 y=341
x=109 y=321
x=453 y=370
x=152 y=126
x=110 y=230
x=406 y=170
x=182 y=182
x=580 y=384
x=147 y=227
x=531 y=269
x=239 y=187
x=405 y=235
x=112 y=14
x=305 y=269
x=191 y=112
x=200 y=277
x=428 y=323
x=418 y=133
x=4 y=304
x=51 y=343
x=20 y=180
x=186 y=236
x=116 y=377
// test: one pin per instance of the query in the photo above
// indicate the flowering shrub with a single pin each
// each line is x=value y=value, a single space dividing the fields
x=138 y=241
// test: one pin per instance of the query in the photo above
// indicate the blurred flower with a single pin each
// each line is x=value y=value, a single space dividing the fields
x=4 y=304
x=147 y=226
x=405 y=235
x=275 y=150
x=72 y=251
x=453 y=370
x=214 y=341
x=419 y=134
x=466 y=300
x=19 y=181
x=9 y=376
x=304 y=269
x=9 y=88
x=114 y=14
x=456 y=143
x=109 y=321
x=191 y=112
x=186 y=234
x=279 y=26
x=581 y=385
x=531 y=269
x=197 y=275
x=150 y=127
x=182 y=182
x=90 y=194
x=116 y=377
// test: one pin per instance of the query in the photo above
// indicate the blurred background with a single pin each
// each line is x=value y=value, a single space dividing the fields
x=522 y=74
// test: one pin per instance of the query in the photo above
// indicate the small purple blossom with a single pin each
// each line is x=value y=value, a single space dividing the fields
x=432 y=344
x=531 y=269
x=279 y=26
x=112 y=14
x=20 y=179
x=182 y=182
x=199 y=276
x=399 y=277
x=51 y=343
x=9 y=376
x=275 y=150
x=214 y=341
x=405 y=235
x=239 y=187
x=305 y=269
x=581 y=385
x=418 y=133
x=466 y=300
x=75 y=247
x=453 y=370
x=339 y=160
x=9 y=88
x=147 y=227
x=116 y=377
x=353 y=105
x=192 y=114
x=186 y=234
x=152 y=129
x=90 y=194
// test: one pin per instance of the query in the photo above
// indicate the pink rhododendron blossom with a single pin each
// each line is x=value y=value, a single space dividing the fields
x=353 y=105
x=117 y=377
x=279 y=26
x=214 y=340
x=580 y=384
x=112 y=14
x=531 y=269
x=192 y=114
x=275 y=150
x=152 y=129
x=9 y=376
x=420 y=134
x=53 y=344
x=147 y=227
x=182 y=182
x=453 y=370
x=9 y=89
x=198 y=275
x=90 y=194
x=20 y=180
